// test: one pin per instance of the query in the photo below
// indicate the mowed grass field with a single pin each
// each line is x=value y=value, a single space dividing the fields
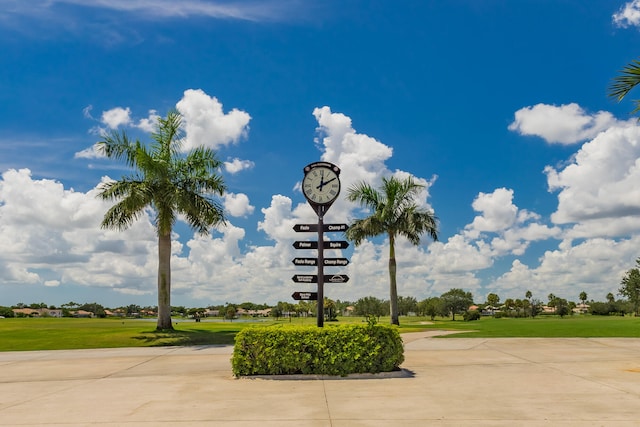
x=24 y=334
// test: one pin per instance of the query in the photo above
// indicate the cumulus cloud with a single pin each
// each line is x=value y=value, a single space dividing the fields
x=236 y=165
x=600 y=184
x=116 y=117
x=206 y=124
x=51 y=234
x=594 y=265
x=149 y=123
x=59 y=241
x=628 y=15
x=498 y=212
x=237 y=205
x=564 y=124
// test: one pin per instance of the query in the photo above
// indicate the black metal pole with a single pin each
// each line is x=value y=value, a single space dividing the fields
x=320 y=266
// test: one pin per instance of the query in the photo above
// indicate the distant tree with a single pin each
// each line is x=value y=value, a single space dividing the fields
x=395 y=213
x=230 y=312
x=132 y=310
x=561 y=306
x=6 y=312
x=369 y=306
x=551 y=298
x=536 y=307
x=95 y=308
x=432 y=307
x=276 y=312
x=456 y=301
x=509 y=304
x=630 y=286
x=583 y=297
x=493 y=299
x=610 y=298
x=330 y=309
x=407 y=305
x=528 y=295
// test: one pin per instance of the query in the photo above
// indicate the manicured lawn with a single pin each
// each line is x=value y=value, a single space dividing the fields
x=583 y=326
x=67 y=333
x=56 y=334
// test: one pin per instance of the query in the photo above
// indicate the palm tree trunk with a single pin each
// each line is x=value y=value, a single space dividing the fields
x=164 y=281
x=393 y=288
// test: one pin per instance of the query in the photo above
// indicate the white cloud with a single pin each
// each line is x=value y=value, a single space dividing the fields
x=628 y=15
x=566 y=124
x=145 y=9
x=601 y=182
x=498 y=212
x=206 y=124
x=236 y=165
x=149 y=123
x=237 y=205
x=116 y=117
x=595 y=266
x=58 y=240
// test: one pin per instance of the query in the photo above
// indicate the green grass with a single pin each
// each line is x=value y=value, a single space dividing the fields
x=584 y=326
x=66 y=333
x=58 y=334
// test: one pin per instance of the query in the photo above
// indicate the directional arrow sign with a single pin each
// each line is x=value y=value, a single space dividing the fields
x=305 y=227
x=337 y=244
x=335 y=227
x=335 y=261
x=305 y=296
x=336 y=278
x=305 y=245
x=305 y=278
x=306 y=261
x=314 y=227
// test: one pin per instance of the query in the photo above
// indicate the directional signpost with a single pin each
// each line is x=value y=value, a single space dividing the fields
x=321 y=187
x=305 y=278
x=305 y=296
x=314 y=227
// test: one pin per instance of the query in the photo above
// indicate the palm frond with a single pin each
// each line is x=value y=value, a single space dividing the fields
x=628 y=78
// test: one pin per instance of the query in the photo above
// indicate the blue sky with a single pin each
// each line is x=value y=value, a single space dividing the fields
x=499 y=108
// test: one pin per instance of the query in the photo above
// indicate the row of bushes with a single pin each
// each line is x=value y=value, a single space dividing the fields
x=332 y=350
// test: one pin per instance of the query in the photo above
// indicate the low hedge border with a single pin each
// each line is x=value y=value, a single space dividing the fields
x=332 y=350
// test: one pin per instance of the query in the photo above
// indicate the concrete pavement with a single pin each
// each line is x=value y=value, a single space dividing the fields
x=445 y=382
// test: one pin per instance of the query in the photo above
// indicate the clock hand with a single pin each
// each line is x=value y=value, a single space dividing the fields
x=332 y=179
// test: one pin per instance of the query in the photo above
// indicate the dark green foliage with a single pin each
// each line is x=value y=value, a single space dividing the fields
x=456 y=301
x=367 y=306
x=471 y=315
x=335 y=350
x=6 y=312
x=630 y=286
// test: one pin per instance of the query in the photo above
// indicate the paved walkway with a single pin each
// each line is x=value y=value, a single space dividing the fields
x=446 y=382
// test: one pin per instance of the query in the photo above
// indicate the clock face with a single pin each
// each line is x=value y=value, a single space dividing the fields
x=321 y=185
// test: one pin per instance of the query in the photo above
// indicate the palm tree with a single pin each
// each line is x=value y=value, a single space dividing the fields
x=628 y=78
x=394 y=213
x=168 y=182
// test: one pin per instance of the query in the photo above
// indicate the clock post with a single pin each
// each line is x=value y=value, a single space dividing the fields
x=321 y=187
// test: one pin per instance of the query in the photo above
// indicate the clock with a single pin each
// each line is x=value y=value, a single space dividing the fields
x=321 y=183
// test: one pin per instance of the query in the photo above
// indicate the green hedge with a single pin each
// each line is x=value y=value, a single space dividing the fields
x=332 y=350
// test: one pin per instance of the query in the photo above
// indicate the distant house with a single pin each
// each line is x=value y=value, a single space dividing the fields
x=581 y=308
x=37 y=312
x=114 y=313
x=82 y=314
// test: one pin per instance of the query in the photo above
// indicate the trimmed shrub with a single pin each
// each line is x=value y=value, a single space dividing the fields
x=471 y=315
x=332 y=350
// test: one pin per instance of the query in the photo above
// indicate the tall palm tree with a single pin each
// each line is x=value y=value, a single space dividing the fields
x=168 y=182
x=394 y=212
x=628 y=78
